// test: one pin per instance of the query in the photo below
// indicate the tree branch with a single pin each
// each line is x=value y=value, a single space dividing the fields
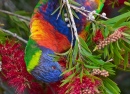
x=13 y=14
x=84 y=10
x=14 y=35
x=73 y=22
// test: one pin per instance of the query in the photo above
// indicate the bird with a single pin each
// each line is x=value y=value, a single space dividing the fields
x=49 y=35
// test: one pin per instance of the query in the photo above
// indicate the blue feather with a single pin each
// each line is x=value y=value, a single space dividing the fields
x=59 y=24
x=48 y=70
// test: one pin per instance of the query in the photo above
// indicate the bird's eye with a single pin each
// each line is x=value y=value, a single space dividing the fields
x=53 y=67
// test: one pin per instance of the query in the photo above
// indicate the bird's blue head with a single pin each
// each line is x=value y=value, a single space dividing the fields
x=47 y=70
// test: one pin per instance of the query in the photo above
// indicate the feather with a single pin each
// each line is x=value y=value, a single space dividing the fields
x=47 y=70
x=40 y=64
x=49 y=35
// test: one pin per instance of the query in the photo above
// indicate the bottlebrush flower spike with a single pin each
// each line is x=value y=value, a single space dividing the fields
x=98 y=37
x=14 y=69
x=117 y=2
x=112 y=38
x=121 y=1
x=88 y=86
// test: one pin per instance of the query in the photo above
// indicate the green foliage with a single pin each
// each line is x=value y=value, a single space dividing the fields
x=2 y=37
x=110 y=87
x=82 y=59
x=31 y=49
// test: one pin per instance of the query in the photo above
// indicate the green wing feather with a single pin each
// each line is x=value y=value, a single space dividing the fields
x=100 y=6
x=31 y=48
x=32 y=54
x=39 y=4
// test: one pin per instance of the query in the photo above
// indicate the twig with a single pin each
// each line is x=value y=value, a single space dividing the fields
x=80 y=10
x=61 y=9
x=14 y=35
x=19 y=16
x=109 y=60
x=73 y=22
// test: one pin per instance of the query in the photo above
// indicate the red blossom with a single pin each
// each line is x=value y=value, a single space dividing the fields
x=98 y=36
x=14 y=69
x=88 y=85
x=121 y=1
x=117 y=3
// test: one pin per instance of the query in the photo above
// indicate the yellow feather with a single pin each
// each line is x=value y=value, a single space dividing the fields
x=34 y=61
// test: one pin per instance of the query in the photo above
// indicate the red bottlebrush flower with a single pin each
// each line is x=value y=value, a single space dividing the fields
x=117 y=3
x=121 y=1
x=98 y=37
x=14 y=69
x=62 y=63
x=88 y=86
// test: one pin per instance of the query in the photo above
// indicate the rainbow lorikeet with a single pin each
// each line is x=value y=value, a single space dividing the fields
x=50 y=35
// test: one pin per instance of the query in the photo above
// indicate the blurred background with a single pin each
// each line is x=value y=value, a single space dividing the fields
x=21 y=27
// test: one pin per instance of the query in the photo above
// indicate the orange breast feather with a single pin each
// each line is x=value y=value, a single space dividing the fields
x=46 y=35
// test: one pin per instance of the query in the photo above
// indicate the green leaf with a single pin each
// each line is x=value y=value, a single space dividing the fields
x=107 y=91
x=85 y=52
x=75 y=50
x=81 y=75
x=84 y=45
x=87 y=72
x=74 y=3
x=94 y=27
x=67 y=92
x=126 y=40
x=90 y=67
x=125 y=34
x=55 y=11
x=117 y=53
x=67 y=79
x=116 y=59
x=111 y=86
x=70 y=59
x=106 y=52
x=95 y=61
x=117 y=18
x=64 y=82
x=119 y=22
x=55 y=57
x=106 y=32
x=79 y=61
x=111 y=48
x=68 y=70
x=74 y=13
x=117 y=45
x=126 y=60
x=125 y=47
x=109 y=65
x=78 y=67
x=65 y=53
x=127 y=3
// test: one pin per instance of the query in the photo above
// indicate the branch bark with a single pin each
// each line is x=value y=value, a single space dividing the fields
x=14 y=35
x=13 y=14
